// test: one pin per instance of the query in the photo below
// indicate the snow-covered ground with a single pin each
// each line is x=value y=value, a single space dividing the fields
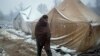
x=18 y=36
x=16 y=43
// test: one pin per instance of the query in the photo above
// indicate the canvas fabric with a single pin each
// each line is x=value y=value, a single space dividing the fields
x=70 y=27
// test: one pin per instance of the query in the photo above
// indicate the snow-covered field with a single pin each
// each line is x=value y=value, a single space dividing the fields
x=16 y=41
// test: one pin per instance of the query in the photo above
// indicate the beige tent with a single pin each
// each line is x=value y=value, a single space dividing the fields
x=71 y=25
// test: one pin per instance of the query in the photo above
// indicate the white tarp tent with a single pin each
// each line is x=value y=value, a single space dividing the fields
x=20 y=14
x=33 y=13
x=9 y=10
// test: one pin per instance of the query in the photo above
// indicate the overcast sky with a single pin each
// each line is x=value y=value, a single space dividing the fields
x=9 y=5
x=6 y=6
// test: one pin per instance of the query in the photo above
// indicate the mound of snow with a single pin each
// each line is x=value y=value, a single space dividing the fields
x=67 y=50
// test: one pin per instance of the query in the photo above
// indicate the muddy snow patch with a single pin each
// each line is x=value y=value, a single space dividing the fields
x=3 y=52
x=19 y=33
x=67 y=50
x=67 y=55
x=30 y=41
x=63 y=51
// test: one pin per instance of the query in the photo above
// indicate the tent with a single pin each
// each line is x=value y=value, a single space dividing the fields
x=73 y=25
x=31 y=14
